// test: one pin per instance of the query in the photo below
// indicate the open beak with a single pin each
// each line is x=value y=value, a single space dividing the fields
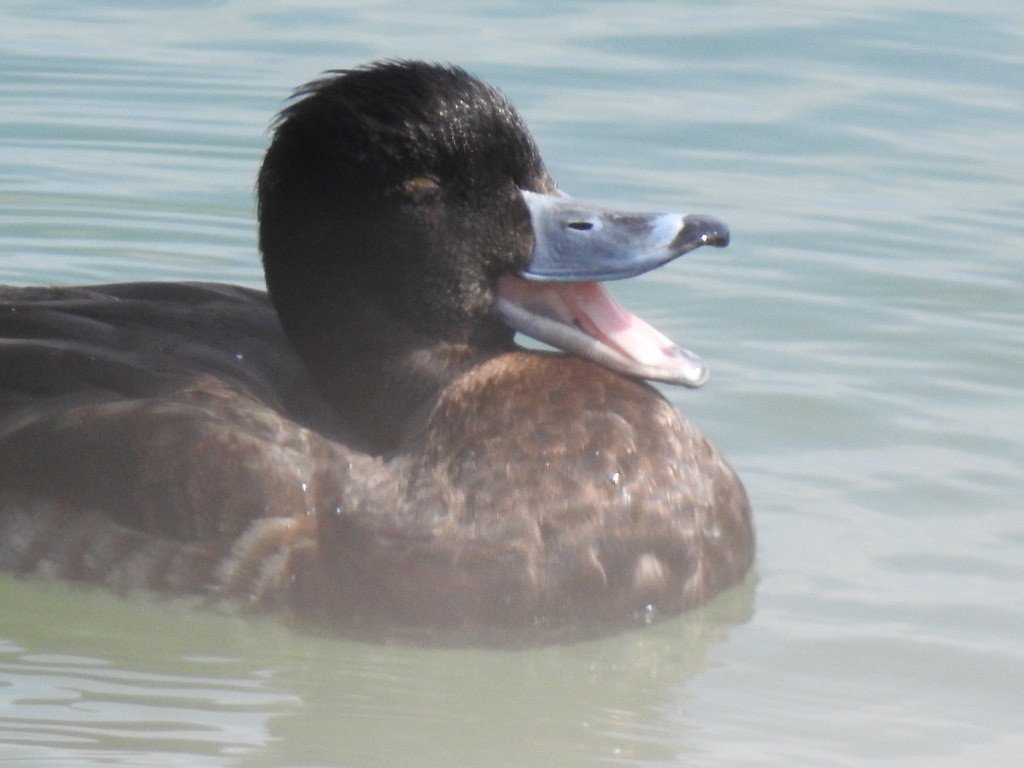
x=559 y=299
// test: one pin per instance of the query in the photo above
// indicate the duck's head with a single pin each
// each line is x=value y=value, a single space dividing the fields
x=409 y=228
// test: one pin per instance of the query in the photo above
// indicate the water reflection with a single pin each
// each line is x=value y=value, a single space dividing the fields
x=111 y=676
x=612 y=699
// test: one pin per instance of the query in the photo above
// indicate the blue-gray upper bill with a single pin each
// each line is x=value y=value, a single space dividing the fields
x=581 y=242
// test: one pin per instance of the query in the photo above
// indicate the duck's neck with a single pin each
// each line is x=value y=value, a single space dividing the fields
x=378 y=373
x=385 y=399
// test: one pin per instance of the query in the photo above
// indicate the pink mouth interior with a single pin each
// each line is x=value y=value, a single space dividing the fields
x=592 y=309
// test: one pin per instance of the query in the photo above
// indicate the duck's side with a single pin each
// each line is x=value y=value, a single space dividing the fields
x=165 y=451
x=144 y=427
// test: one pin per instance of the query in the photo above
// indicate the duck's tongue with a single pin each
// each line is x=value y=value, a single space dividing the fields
x=601 y=316
x=559 y=299
x=584 y=318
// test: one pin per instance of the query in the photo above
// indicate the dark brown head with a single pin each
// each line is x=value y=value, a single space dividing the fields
x=409 y=228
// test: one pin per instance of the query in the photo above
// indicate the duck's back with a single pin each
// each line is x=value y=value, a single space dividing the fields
x=140 y=339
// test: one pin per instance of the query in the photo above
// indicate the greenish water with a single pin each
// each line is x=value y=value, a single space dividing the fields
x=864 y=332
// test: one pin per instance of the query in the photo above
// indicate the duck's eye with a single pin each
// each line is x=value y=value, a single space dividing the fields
x=420 y=189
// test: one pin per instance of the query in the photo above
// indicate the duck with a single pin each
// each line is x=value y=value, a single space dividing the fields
x=365 y=446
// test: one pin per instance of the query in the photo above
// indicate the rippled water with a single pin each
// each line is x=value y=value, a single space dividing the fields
x=864 y=332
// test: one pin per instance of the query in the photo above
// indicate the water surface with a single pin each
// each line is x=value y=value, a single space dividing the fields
x=864 y=333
